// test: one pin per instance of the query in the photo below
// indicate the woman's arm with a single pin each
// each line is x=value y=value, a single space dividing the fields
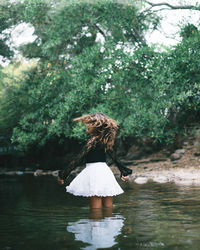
x=62 y=174
x=79 y=159
x=123 y=169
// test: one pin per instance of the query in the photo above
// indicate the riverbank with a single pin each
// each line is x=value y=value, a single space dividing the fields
x=181 y=166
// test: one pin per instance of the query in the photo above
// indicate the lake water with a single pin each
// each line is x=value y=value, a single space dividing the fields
x=36 y=213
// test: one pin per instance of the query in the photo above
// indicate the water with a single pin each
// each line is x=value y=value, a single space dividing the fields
x=36 y=213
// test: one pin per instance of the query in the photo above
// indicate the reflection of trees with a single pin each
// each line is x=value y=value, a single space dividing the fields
x=159 y=215
x=152 y=216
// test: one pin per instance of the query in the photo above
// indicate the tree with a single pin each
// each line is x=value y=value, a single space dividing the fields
x=65 y=27
x=66 y=36
x=13 y=101
x=174 y=7
x=150 y=93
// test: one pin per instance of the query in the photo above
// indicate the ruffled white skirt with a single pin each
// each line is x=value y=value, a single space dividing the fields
x=96 y=179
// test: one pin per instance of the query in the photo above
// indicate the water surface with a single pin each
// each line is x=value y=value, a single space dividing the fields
x=36 y=213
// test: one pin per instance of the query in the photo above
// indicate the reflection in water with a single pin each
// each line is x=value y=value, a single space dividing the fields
x=34 y=213
x=99 y=230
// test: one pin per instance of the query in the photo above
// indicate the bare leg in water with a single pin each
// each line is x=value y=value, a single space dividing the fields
x=97 y=202
x=107 y=202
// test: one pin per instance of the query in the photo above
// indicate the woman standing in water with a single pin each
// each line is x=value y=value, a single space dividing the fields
x=96 y=181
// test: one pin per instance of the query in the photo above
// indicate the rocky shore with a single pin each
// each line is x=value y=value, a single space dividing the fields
x=27 y=171
x=181 y=166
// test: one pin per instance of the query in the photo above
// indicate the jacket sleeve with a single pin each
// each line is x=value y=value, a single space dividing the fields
x=123 y=169
x=73 y=164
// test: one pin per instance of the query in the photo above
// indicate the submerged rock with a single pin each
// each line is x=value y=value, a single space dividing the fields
x=38 y=172
x=55 y=173
x=161 y=179
x=19 y=172
x=141 y=180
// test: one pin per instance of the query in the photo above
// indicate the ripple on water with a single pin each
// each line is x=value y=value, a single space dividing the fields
x=151 y=216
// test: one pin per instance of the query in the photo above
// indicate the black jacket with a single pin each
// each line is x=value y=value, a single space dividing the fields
x=96 y=154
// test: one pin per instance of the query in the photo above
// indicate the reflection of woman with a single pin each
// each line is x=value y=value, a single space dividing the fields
x=98 y=233
x=96 y=181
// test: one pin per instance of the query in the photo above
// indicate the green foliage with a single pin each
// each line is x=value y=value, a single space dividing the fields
x=13 y=101
x=188 y=31
x=151 y=94
x=66 y=27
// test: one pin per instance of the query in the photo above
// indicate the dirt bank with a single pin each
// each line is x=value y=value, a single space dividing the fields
x=181 y=167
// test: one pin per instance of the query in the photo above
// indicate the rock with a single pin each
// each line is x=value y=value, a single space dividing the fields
x=161 y=179
x=38 y=172
x=197 y=154
x=55 y=173
x=175 y=156
x=19 y=172
x=49 y=172
x=141 y=180
x=185 y=143
x=183 y=182
x=180 y=151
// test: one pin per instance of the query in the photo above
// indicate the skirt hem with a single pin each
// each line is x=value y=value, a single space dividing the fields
x=90 y=195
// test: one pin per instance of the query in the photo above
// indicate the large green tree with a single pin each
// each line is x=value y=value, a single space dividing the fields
x=75 y=72
x=150 y=93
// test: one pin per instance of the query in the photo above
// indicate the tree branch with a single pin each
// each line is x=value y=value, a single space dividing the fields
x=139 y=37
x=174 y=7
x=101 y=31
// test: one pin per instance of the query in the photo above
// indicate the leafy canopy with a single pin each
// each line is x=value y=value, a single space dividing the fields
x=151 y=94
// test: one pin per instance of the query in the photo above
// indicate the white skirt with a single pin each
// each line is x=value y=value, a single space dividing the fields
x=96 y=179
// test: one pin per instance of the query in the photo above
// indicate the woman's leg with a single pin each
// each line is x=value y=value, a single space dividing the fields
x=107 y=201
x=95 y=202
x=96 y=213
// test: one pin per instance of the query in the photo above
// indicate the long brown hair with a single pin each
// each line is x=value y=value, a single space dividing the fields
x=101 y=128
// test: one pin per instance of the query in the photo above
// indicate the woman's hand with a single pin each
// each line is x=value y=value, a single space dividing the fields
x=124 y=178
x=60 y=181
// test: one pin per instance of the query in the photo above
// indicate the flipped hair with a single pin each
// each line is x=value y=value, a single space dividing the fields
x=101 y=128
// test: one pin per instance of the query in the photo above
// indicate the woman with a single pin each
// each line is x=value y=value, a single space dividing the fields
x=97 y=181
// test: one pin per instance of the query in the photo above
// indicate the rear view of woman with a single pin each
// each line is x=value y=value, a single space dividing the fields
x=96 y=181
